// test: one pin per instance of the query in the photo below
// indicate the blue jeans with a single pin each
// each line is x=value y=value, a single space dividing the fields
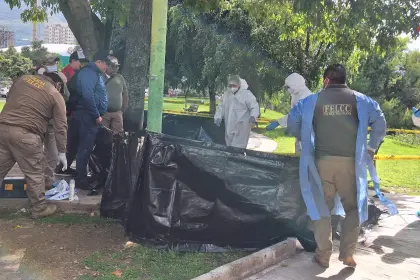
x=83 y=129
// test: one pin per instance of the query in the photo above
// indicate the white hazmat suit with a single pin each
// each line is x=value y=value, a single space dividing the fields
x=236 y=109
x=416 y=117
x=297 y=88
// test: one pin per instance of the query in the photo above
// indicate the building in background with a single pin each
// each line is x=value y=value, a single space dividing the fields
x=58 y=34
x=7 y=37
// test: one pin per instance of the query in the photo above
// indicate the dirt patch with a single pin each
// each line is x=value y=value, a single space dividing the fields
x=54 y=248
x=81 y=247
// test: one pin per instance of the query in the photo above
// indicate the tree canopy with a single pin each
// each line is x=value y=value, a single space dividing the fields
x=262 y=40
x=13 y=64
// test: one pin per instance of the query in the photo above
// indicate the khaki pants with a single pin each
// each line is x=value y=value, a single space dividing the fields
x=24 y=147
x=338 y=175
x=113 y=121
x=51 y=156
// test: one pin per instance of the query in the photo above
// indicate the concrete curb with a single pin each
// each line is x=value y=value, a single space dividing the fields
x=16 y=204
x=253 y=263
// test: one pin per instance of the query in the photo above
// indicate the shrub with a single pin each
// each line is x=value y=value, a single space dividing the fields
x=396 y=114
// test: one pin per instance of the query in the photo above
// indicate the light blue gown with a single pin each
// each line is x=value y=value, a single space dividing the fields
x=299 y=124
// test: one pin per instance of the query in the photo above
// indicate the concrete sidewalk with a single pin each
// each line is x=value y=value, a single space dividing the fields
x=261 y=143
x=392 y=251
x=85 y=204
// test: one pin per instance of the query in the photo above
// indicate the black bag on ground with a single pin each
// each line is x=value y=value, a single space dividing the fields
x=100 y=158
x=184 y=126
x=191 y=192
x=126 y=158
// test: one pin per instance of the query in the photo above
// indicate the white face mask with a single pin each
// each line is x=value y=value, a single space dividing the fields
x=233 y=90
x=53 y=68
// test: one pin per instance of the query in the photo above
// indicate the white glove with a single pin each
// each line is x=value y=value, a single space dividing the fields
x=63 y=160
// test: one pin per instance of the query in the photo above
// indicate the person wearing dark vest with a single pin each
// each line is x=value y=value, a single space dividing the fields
x=333 y=173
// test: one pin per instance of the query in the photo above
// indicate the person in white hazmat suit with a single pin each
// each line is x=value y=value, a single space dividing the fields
x=296 y=86
x=416 y=116
x=239 y=109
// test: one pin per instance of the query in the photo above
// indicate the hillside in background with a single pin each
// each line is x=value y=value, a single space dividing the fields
x=11 y=19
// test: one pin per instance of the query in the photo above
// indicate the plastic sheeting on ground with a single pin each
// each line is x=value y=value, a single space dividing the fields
x=191 y=193
x=100 y=158
x=198 y=196
x=191 y=127
x=123 y=173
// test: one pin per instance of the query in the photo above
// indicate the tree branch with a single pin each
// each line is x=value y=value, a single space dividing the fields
x=83 y=23
x=308 y=42
x=318 y=52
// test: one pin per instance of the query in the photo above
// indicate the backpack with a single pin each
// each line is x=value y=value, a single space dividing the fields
x=75 y=95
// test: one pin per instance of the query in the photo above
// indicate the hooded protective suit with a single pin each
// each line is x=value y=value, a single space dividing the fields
x=236 y=109
x=416 y=117
x=297 y=88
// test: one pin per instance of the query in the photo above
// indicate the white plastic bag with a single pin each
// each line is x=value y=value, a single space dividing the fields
x=59 y=187
x=61 y=191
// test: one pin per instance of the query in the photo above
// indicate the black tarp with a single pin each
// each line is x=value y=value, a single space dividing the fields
x=192 y=195
x=185 y=126
x=126 y=159
x=196 y=192
x=100 y=158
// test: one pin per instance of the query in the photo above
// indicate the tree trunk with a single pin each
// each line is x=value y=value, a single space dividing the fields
x=212 y=96
x=108 y=28
x=137 y=58
x=85 y=25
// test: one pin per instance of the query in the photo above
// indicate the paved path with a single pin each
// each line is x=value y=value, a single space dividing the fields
x=261 y=143
x=392 y=251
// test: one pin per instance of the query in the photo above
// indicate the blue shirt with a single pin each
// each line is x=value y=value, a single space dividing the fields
x=91 y=85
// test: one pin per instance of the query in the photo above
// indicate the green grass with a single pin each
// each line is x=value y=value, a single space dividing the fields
x=402 y=176
x=67 y=219
x=2 y=103
x=146 y=263
x=285 y=144
x=177 y=104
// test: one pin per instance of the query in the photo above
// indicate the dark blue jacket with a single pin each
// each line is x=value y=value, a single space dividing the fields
x=91 y=86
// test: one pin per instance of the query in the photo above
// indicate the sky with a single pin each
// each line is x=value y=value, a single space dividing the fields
x=23 y=31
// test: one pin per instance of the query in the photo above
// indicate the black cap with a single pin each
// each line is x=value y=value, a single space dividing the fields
x=102 y=56
x=78 y=55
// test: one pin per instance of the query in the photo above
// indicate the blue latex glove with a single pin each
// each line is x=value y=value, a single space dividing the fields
x=217 y=122
x=273 y=125
x=416 y=112
x=391 y=207
x=252 y=120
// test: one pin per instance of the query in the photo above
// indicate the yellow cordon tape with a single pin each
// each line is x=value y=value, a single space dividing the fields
x=404 y=131
x=264 y=120
x=377 y=157
x=394 y=157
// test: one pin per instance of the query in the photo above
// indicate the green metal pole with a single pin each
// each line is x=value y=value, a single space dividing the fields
x=157 y=64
